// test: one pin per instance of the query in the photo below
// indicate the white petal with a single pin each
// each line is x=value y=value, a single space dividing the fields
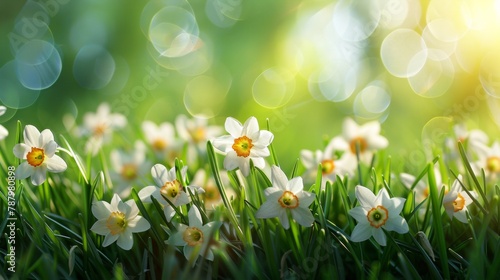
x=125 y=240
x=269 y=209
x=307 y=158
x=133 y=209
x=461 y=215
x=182 y=199
x=24 y=170
x=278 y=178
x=169 y=212
x=398 y=203
x=259 y=162
x=2 y=110
x=100 y=227
x=176 y=239
x=361 y=232
x=350 y=129
x=160 y=175
x=223 y=143
x=21 y=150
x=189 y=252
x=138 y=224
x=195 y=217
x=55 y=164
x=295 y=185
x=284 y=219
x=273 y=190
x=359 y=213
x=31 y=136
x=379 y=236
x=145 y=193
x=397 y=224
x=3 y=132
x=303 y=216
x=365 y=196
x=233 y=127
x=250 y=126
x=46 y=137
x=265 y=138
x=306 y=198
x=39 y=175
x=109 y=239
x=101 y=210
x=383 y=198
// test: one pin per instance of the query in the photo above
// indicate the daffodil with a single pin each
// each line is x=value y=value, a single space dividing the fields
x=376 y=213
x=488 y=160
x=455 y=201
x=99 y=127
x=212 y=197
x=128 y=168
x=39 y=151
x=195 y=238
x=168 y=186
x=196 y=132
x=161 y=138
x=286 y=196
x=245 y=142
x=117 y=221
x=331 y=167
x=365 y=139
x=3 y=131
x=421 y=188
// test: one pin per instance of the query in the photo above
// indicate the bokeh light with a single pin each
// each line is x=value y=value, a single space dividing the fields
x=224 y=13
x=434 y=79
x=372 y=102
x=38 y=64
x=403 y=53
x=12 y=93
x=489 y=74
x=205 y=96
x=274 y=87
x=93 y=67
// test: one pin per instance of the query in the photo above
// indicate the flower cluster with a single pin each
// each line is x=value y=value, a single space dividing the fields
x=193 y=198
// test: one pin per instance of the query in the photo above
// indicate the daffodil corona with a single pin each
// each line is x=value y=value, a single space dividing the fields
x=376 y=213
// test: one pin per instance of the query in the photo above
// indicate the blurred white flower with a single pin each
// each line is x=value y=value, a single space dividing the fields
x=245 y=142
x=330 y=165
x=99 y=127
x=364 y=137
x=376 y=213
x=196 y=131
x=488 y=159
x=3 y=131
x=455 y=201
x=195 y=238
x=128 y=168
x=286 y=195
x=117 y=221
x=168 y=186
x=212 y=197
x=38 y=150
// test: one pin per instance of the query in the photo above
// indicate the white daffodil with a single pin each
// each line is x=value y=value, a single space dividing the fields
x=196 y=131
x=376 y=213
x=128 y=168
x=488 y=159
x=421 y=189
x=117 y=221
x=195 y=238
x=3 y=131
x=286 y=195
x=168 y=186
x=330 y=167
x=455 y=201
x=159 y=137
x=38 y=150
x=212 y=197
x=366 y=138
x=245 y=142
x=99 y=127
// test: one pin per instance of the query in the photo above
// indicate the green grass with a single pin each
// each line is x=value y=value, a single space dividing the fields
x=53 y=238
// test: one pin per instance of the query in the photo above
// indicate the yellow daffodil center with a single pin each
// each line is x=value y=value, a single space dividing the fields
x=198 y=134
x=159 y=144
x=116 y=222
x=377 y=216
x=99 y=130
x=242 y=146
x=171 y=190
x=459 y=203
x=493 y=164
x=288 y=200
x=193 y=236
x=360 y=142
x=327 y=166
x=211 y=194
x=35 y=157
x=129 y=171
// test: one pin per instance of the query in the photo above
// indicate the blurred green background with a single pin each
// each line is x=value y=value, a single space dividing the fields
x=304 y=65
